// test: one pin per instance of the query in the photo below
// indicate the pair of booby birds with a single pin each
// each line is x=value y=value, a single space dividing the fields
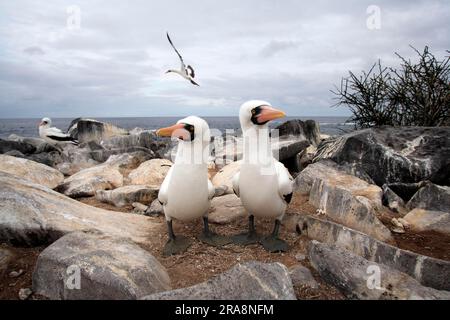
x=263 y=184
x=54 y=135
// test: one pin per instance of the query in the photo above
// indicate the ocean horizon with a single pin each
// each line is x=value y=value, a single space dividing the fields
x=28 y=127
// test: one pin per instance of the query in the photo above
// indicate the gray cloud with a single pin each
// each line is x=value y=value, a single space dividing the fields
x=287 y=52
x=34 y=50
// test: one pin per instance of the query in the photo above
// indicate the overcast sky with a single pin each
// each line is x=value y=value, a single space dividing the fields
x=290 y=53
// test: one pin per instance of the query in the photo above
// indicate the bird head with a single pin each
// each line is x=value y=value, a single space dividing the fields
x=189 y=129
x=45 y=122
x=258 y=113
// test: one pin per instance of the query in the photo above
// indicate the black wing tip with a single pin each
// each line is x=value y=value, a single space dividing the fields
x=288 y=197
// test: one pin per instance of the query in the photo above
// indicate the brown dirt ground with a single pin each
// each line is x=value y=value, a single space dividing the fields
x=200 y=262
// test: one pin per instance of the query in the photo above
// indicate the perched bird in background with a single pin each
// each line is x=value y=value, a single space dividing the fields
x=186 y=191
x=263 y=184
x=186 y=72
x=54 y=135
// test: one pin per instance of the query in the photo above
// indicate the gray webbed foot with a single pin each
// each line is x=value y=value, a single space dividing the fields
x=212 y=238
x=272 y=243
x=249 y=237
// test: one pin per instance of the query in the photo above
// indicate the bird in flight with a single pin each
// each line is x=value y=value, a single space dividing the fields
x=186 y=72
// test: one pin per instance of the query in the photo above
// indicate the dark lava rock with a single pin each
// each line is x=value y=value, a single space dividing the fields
x=394 y=154
x=308 y=128
x=23 y=147
x=85 y=130
x=431 y=197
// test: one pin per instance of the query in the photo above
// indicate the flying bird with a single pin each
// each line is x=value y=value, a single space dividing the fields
x=186 y=72
x=54 y=135
x=263 y=184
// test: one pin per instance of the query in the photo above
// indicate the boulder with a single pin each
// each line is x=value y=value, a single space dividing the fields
x=23 y=147
x=35 y=142
x=428 y=271
x=220 y=191
x=431 y=197
x=31 y=171
x=32 y=215
x=154 y=209
x=251 y=280
x=346 y=199
x=405 y=190
x=109 y=269
x=85 y=130
x=226 y=209
x=285 y=149
x=302 y=276
x=358 y=278
x=86 y=182
x=324 y=168
x=224 y=177
x=128 y=161
x=151 y=172
x=139 y=208
x=308 y=129
x=126 y=195
x=427 y=220
x=146 y=141
x=394 y=154
x=392 y=200
x=51 y=158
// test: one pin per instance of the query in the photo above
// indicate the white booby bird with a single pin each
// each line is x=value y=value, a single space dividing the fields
x=54 y=135
x=186 y=191
x=263 y=184
x=186 y=72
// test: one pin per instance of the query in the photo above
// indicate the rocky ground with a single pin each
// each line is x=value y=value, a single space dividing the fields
x=371 y=198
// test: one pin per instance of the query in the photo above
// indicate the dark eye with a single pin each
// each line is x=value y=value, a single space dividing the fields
x=253 y=111
x=191 y=129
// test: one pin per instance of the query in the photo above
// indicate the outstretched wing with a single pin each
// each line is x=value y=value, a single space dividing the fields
x=285 y=182
x=179 y=55
x=190 y=71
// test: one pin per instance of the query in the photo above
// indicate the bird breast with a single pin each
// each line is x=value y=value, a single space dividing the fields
x=187 y=197
x=258 y=187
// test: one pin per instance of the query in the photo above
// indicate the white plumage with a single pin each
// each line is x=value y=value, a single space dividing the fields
x=263 y=184
x=186 y=191
x=54 y=135
x=186 y=72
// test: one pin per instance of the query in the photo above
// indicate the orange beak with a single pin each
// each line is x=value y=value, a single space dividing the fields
x=268 y=113
x=176 y=130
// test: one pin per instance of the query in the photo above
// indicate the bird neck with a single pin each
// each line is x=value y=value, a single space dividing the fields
x=257 y=147
x=192 y=153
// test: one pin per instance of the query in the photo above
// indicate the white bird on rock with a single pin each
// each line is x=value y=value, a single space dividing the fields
x=263 y=184
x=186 y=72
x=54 y=135
x=186 y=191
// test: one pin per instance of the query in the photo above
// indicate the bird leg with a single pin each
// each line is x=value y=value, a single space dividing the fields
x=272 y=243
x=211 y=238
x=250 y=237
x=176 y=244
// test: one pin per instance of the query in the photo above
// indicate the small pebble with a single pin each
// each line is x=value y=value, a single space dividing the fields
x=25 y=293
x=15 y=274
x=300 y=257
